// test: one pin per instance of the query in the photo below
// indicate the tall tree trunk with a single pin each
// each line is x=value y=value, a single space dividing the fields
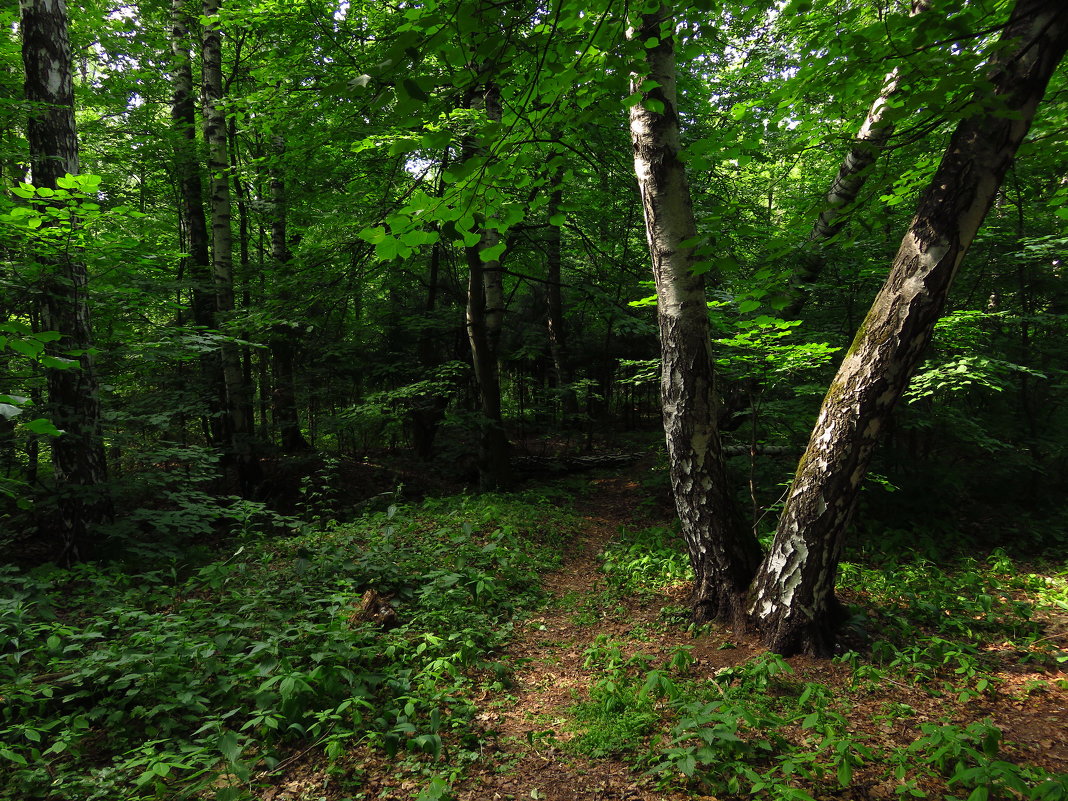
x=555 y=321
x=870 y=141
x=283 y=342
x=237 y=428
x=78 y=455
x=428 y=410
x=722 y=550
x=183 y=115
x=793 y=601
x=485 y=316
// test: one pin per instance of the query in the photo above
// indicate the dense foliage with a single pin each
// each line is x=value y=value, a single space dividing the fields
x=323 y=259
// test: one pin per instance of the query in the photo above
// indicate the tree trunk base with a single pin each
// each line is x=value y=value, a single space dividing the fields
x=793 y=634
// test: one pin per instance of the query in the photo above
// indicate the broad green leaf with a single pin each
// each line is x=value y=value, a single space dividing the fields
x=27 y=347
x=492 y=253
x=229 y=746
x=44 y=427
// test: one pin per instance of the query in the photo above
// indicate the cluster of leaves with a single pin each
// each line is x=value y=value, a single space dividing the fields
x=646 y=559
x=125 y=685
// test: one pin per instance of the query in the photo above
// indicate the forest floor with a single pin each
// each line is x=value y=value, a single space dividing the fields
x=536 y=742
x=431 y=644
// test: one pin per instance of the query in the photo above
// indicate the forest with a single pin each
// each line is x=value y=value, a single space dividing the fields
x=456 y=400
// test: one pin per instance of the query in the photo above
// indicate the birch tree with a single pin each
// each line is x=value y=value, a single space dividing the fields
x=78 y=454
x=238 y=421
x=793 y=602
x=723 y=552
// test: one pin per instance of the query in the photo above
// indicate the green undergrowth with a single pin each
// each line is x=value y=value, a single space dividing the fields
x=756 y=729
x=645 y=559
x=198 y=681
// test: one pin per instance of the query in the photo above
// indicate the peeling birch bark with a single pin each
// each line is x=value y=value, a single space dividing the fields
x=722 y=551
x=793 y=601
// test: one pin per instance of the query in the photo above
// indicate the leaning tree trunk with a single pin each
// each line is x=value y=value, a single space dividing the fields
x=793 y=602
x=852 y=175
x=195 y=228
x=485 y=316
x=78 y=454
x=722 y=550
x=870 y=141
x=238 y=427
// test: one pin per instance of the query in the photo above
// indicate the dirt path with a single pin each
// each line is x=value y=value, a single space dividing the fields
x=526 y=730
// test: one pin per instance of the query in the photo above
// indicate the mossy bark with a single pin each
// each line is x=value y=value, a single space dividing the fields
x=793 y=603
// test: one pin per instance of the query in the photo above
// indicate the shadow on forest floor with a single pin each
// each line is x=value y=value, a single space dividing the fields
x=267 y=674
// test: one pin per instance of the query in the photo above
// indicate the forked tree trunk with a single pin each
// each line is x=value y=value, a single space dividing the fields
x=870 y=141
x=722 y=550
x=78 y=454
x=237 y=422
x=793 y=601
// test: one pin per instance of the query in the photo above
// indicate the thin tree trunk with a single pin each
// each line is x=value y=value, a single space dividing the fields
x=555 y=321
x=722 y=550
x=793 y=601
x=78 y=454
x=870 y=141
x=237 y=428
x=428 y=410
x=283 y=340
x=485 y=316
x=183 y=115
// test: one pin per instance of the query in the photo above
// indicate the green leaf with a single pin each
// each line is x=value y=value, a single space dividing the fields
x=58 y=363
x=373 y=235
x=11 y=755
x=229 y=746
x=414 y=90
x=845 y=773
x=747 y=306
x=654 y=105
x=27 y=347
x=492 y=253
x=44 y=427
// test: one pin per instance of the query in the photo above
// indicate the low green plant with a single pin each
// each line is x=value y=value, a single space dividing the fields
x=645 y=559
x=164 y=683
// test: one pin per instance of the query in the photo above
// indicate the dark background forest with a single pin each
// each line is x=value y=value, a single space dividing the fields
x=328 y=330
